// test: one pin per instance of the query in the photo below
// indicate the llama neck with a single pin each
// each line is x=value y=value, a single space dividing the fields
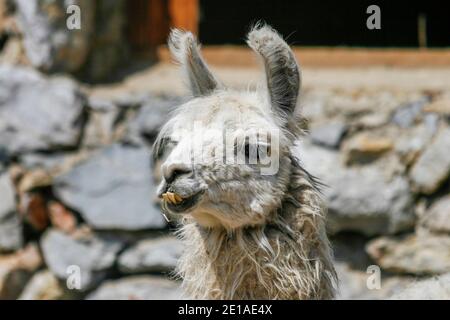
x=288 y=258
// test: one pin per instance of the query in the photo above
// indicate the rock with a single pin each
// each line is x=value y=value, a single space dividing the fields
x=152 y=115
x=433 y=166
x=4 y=158
x=353 y=284
x=441 y=106
x=6 y=9
x=363 y=149
x=372 y=120
x=48 y=42
x=11 y=234
x=373 y=206
x=32 y=161
x=437 y=218
x=138 y=288
x=33 y=207
x=38 y=114
x=104 y=116
x=11 y=237
x=410 y=143
x=328 y=135
x=431 y=121
x=113 y=190
x=44 y=286
x=406 y=115
x=62 y=218
x=151 y=255
x=413 y=254
x=360 y=199
x=7 y=196
x=436 y=288
x=101 y=104
x=16 y=269
x=313 y=104
x=321 y=162
x=54 y=163
x=34 y=179
x=94 y=255
x=350 y=248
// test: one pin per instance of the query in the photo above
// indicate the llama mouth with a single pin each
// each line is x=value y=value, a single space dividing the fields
x=175 y=204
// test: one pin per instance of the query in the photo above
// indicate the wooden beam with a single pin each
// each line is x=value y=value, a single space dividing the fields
x=242 y=56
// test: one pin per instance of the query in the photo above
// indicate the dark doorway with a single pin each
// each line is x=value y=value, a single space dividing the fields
x=326 y=22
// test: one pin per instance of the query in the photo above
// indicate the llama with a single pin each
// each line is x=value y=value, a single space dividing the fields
x=246 y=235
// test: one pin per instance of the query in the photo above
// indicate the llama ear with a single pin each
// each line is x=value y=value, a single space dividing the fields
x=282 y=71
x=186 y=51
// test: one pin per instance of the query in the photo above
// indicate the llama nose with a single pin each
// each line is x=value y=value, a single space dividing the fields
x=174 y=170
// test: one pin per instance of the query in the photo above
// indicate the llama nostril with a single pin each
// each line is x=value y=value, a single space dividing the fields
x=175 y=173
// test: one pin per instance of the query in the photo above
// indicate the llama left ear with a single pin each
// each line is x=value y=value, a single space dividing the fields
x=186 y=51
x=282 y=71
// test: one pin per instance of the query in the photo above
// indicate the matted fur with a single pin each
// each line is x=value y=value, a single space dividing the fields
x=288 y=258
x=249 y=236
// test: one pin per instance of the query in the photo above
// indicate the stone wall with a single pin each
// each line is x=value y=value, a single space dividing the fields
x=37 y=34
x=76 y=188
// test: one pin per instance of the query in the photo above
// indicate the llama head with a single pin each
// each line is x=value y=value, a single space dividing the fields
x=224 y=156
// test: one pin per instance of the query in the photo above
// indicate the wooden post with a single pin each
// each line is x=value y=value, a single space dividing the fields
x=184 y=14
x=148 y=23
x=422 y=30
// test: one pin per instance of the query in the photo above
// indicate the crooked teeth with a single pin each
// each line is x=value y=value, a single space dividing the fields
x=172 y=197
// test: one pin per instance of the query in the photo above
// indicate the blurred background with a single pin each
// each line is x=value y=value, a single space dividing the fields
x=80 y=108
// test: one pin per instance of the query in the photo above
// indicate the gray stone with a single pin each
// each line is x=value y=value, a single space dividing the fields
x=99 y=130
x=48 y=162
x=92 y=254
x=48 y=42
x=16 y=269
x=353 y=284
x=364 y=148
x=113 y=190
x=410 y=143
x=413 y=254
x=101 y=104
x=38 y=114
x=152 y=115
x=436 y=288
x=406 y=115
x=7 y=196
x=4 y=158
x=437 y=218
x=319 y=161
x=431 y=121
x=329 y=135
x=138 y=288
x=360 y=199
x=11 y=234
x=350 y=248
x=45 y=286
x=11 y=237
x=151 y=255
x=433 y=166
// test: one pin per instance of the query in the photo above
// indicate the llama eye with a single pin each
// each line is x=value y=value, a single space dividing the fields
x=162 y=146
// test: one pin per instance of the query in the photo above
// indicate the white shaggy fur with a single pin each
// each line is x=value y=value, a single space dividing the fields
x=247 y=235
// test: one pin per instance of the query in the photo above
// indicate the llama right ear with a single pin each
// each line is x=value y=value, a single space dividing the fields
x=282 y=71
x=186 y=51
